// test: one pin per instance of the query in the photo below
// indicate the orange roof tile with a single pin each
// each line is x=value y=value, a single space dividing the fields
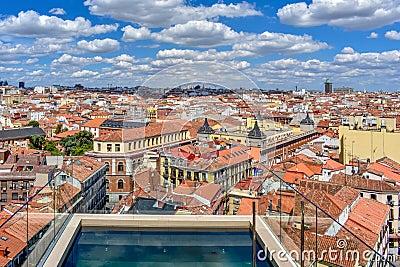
x=333 y=165
x=246 y=206
x=302 y=168
x=94 y=123
x=67 y=133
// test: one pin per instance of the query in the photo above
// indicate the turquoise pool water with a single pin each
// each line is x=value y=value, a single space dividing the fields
x=164 y=248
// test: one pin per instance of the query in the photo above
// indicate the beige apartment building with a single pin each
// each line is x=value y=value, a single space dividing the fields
x=368 y=138
x=123 y=151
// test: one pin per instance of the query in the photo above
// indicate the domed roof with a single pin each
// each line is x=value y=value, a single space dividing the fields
x=206 y=128
x=307 y=120
x=256 y=132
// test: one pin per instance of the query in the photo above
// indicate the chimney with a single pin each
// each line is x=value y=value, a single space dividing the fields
x=4 y=252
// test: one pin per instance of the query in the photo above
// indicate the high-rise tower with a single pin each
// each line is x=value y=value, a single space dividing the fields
x=328 y=87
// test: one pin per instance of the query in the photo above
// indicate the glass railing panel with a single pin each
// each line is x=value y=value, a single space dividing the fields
x=29 y=227
x=316 y=228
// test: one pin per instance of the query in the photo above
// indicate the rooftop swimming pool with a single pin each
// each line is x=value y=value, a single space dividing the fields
x=143 y=248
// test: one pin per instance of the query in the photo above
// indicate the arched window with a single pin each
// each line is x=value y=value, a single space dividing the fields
x=107 y=184
x=120 y=184
x=108 y=166
x=120 y=166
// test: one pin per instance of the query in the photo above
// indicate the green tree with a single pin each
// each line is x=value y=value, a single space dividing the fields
x=33 y=124
x=37 y=142
x=58 y=128
x=77 y=144
x=50 y=145
x=56 y=152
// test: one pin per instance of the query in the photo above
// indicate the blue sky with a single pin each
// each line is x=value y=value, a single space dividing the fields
x=276 y=44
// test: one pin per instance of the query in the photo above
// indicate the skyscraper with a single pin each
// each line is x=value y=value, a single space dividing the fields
x=328 y=86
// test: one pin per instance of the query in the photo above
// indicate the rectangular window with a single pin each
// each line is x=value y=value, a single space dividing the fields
x=117 y=148
x=109 y=147
x=130 y=146
x=99 y=147
x=14 y=196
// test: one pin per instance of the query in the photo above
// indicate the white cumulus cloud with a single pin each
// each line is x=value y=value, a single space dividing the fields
x=84 y=74
x=132 y=34
x=57 y=11
x=268 y=43
x=31 y=60
x=36 y=73
x=31 y=24
x=349 y=14
x=99 y=46
x=199 y=34
x=373 y=35
x=392 y=35
x=163 y=13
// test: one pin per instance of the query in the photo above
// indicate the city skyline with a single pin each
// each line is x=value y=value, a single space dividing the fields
x=276 y=44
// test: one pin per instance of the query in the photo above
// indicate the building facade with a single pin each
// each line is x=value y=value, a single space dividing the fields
x=89 y=175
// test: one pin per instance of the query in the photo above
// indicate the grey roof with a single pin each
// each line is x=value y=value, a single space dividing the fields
x=20 y=133
x=122 y=124
x=256 y=132
x=206 y=128
x=150 y=206
x=307 y=120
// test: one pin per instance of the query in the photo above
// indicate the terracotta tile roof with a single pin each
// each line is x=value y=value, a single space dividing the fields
x=153 y=129
x=67 y=133
x=362 y=183
x=388 y=172
x=194 y=126
x=252 y=183
x=204 y=190
x=208 y=191
x=64 y=194
x=333 y=165
x=14 y=246
x=293 y=177
x=114 y=136
x=325 y=243
x=82 y=167
x=389 y=163
x=286 y=199
x=94 y=123
x=323 y=200
x=366 y=219
x=17 y=225
x=246 y=206
x=347 y=195
x=301 y=168
x=147 y=179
